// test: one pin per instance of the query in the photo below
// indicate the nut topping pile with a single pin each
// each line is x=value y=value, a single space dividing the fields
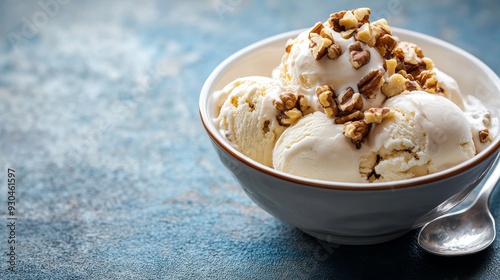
x=405 y=68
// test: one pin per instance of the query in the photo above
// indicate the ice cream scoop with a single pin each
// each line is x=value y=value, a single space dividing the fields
x=428 y=133
x=315 y=148
x=247 y=116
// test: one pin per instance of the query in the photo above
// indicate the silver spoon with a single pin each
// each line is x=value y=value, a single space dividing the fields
x=464 y=232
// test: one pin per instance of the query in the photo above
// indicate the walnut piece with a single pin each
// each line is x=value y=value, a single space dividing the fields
x=358 y=55
x=356 y=131
x=428 y=81
x=376 y=115
x=386 y=44
x=326 y=96
x=355 y=116
x=394 y=86
x=350 y=101
x=349 y=21
x=318 y=45
x=289 y=117
x=316 y=29
x=484 y=136
x=370 y=84
x=364 y=34
x=334 y=21
x=390 y=66
x=334 y=51
x=362 y=14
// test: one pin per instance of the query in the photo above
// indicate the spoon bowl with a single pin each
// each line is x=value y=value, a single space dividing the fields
x=464 y=232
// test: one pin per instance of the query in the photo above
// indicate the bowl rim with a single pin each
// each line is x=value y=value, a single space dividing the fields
x=390 y=185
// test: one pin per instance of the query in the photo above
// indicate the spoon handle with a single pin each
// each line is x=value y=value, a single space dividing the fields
x=490 y=182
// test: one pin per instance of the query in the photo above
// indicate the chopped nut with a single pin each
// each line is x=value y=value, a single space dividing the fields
x=383 y=26
x=390 y=66
x=364 y=33
x=350 y=101
x=386 y=44
x=334 y=21
x=303 y=104
x=415 y=69
x=289 y=100
x=429 y=64
x=409 y=52
x=316 y=29
x=265 y=127
x=279 y=105
x=411 y=85
x=318 y=45
x=356 y=130
x=394 y=86
x=358 y=56
x=484 y=136
x=355 y=116
x=348 y=21
x=334 y=51
x=289 y=117
x=362 y=14
x=289 y=45
x=418 y=51
x=428 y=81
x=325 y=96
x=371 y=83
x=348 y=33
x=326 y=33
x=376 y=115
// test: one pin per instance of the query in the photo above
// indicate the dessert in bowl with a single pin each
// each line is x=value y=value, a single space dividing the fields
x=351 y=203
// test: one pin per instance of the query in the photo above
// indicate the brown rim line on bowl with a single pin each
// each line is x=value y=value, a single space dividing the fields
x=407 y=183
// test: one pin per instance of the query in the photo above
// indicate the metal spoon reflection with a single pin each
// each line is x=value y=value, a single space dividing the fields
x=464 y=232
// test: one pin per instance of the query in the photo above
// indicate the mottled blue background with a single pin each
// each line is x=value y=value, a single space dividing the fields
x=116 y=178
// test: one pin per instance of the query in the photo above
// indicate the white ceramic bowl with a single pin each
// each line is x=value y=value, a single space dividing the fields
x=353 y=213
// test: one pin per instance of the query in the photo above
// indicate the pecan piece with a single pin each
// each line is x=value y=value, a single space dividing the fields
x=358 y=55
x=356 y=131
x=350 y=101
x=371 y=83
x=326 y=96
x=376 y=115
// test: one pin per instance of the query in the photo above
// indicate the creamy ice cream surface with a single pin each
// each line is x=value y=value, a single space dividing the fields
x=426 y=133
x=315 y=148
x=247 y=117
x=350 y=102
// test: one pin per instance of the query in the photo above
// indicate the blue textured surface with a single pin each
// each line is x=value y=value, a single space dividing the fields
x=116 y=178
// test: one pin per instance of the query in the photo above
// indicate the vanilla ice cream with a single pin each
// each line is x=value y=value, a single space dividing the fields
x=350 y=102
x=315 y=148
x=247 y=117
x=427 y=133
x=342 y=66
